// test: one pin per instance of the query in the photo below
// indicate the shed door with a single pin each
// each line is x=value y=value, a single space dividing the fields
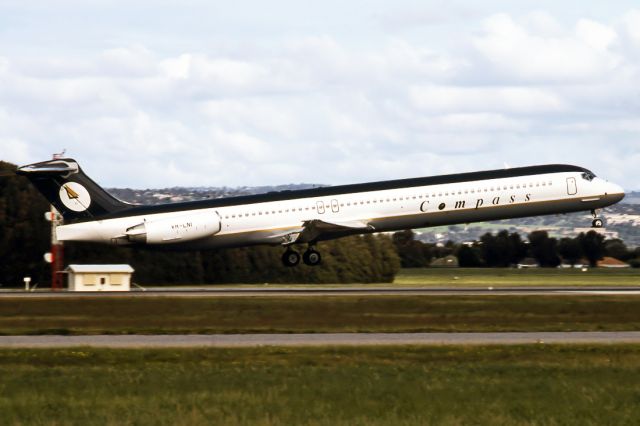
x=572 y=188
x=103 y=282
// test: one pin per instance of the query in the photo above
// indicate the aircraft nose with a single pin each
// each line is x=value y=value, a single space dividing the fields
x=615 y=192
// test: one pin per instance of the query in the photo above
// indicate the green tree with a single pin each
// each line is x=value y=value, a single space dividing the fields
x=413 y=253
x=592 y=244
x=570 y=250
x=24 y=234
x=469 y=257
x=502 y=249
x=544 y=249
x=618 y=249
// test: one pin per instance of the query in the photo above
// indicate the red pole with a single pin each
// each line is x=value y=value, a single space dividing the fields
x=57 y=256
x=57 y=252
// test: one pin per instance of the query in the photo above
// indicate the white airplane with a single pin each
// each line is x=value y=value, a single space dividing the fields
x=288 y=218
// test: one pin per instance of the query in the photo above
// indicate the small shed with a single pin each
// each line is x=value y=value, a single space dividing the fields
x=99 y=277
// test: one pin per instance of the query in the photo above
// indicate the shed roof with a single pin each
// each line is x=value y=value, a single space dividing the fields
x=105 y=269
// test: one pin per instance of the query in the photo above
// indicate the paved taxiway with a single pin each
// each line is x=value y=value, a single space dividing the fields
x=279 y=291
x=329 y=339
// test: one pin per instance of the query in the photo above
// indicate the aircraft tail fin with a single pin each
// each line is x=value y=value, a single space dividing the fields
x=72 y=193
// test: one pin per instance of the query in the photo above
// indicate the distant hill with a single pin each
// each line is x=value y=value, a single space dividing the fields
x=180 y=194
x=632 y=198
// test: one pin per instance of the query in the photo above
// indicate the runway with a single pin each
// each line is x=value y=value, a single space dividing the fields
x=280 y=291
x=329 y=339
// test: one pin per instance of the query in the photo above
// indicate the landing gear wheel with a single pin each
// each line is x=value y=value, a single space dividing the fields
x=311 y=257
x=597 y=223
x=290 y=258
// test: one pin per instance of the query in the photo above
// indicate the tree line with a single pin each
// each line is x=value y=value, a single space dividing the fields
x=508 y=249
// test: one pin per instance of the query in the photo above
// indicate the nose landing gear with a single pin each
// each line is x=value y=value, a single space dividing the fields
x=597 y=222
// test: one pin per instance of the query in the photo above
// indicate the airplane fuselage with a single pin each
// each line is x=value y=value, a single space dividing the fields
x=307 y=216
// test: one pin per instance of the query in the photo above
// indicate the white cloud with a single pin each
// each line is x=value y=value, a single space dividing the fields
x=15 y=149
x=631 y=21
x=599 y=37
x=575 y=56
x=483 y=99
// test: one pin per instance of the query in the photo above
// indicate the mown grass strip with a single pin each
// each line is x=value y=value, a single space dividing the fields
x=506 y=277
x=569 y=385
x=164 y=315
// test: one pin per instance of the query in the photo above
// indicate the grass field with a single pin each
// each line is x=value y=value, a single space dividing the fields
x=506 y=277
x=514 y=385
x=166 y=315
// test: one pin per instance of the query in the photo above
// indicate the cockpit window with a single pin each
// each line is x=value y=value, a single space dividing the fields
x=588 y=176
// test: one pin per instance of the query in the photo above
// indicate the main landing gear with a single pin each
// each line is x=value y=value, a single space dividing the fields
x=597 y=222
x=310 y=257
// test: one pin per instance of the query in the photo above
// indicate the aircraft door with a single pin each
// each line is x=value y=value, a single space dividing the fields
x=320 y=206
x=572 y=188
x=335 y=207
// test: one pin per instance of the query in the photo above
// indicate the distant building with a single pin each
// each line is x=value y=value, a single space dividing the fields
x=450 y=261
x=99 y=277
x=610 y=262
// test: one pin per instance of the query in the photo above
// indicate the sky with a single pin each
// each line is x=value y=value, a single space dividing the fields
x=152 y=94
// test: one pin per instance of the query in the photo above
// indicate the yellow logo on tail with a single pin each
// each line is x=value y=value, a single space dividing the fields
x=74 y=196
x=71 y=193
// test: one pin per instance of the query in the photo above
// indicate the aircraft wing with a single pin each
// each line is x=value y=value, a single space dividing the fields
x=312 y=230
